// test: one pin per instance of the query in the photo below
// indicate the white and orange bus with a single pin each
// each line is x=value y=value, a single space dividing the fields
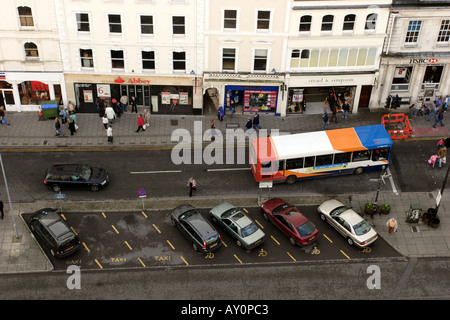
x=289 y=158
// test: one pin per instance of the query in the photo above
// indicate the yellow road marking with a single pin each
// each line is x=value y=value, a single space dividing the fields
x=223 y=242
x=63 y=217
x=85 y=246
x=73 y=230
x=144 y=214
x=156 y=228
x=245 y=210
x=115 y=229
x=259 y=224
x=104 y=215
x=345 y=254
x=291 y=256
x=237 y=259
x=275 y=240
x=327 y=237
x=141 y=262
x=98 y=263
x=129 y=247
x=170 y=244
x=184 y=260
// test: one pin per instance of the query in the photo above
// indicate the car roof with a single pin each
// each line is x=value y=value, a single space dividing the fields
x=64 y=168
x=351 y=216
x=52 y=221
x=296 y=218
x=201 y=225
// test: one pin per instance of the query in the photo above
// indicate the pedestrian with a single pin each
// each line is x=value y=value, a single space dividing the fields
x=232 y=107
x=109 y=133
x=192 y=185
x=345 y=110
x=248 y=125
x=220 y=114
x=433 y=159
x=1 y=209
x=325 y=121
x=447 y=142
x=73 y=116
x=446 y=102
x=439 y=119
x=117 y=109
x=442 y=156
x=63 y=114
x=147 y=117
x=433 y=113
x=256 y=121
x=141 y=123
x=392 y=225
x=213 y=129
x=419 y=107
x=333 y=112
x=133 y=103
x=58 y=127
x=105 y=121
x=109 y=111
x=101 y=108
x=3 y=116
x=124 y=102
x=71 y=126
x=71 y=107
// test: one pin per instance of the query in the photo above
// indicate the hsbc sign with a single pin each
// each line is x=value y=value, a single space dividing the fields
x=425 y=61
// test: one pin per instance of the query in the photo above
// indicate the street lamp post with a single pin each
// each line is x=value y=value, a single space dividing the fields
x=9 y=198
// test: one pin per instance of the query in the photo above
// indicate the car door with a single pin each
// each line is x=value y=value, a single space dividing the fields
x=338 y=223
x=230 y=227
x=283 y=225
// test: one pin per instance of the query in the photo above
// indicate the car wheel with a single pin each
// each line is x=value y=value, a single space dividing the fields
x=322 y=216
x=56 y=188
x=266 y=217
x=94 y=187
x=359 y=170
x=292 y=241
x=291 y=180
x=350 y=241
x=194 y=246
x=239 y=244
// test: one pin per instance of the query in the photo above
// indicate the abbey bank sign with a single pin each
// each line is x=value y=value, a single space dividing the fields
x=120 y=80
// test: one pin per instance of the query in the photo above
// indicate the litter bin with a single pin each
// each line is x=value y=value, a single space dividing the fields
x=50 y=110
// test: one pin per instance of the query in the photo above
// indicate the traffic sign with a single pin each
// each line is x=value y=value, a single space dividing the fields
x=60 y=196
x=142 y=193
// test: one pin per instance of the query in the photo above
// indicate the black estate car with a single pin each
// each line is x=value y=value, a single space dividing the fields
x=75 y=175
x=196 y=228
x=53 y=233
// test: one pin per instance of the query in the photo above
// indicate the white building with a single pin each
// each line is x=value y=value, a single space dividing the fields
x=31 y=71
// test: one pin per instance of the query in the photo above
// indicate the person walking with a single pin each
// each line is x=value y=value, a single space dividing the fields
x=71 y=126
x=345 y=110
x=442 y=156
x=256 y=121
x=109 y=111
x=105 y=122
x=233 y=107
x=63 y=114
x=3 y=116
x=140 y=122
x=248 y=125
x=124 y=102
x=333 y=108
x=192 y=185
x=147 y=117
x=1 y=210
x=58 y=127
x=133 y=103
x=220 y=114
x=439 y=119
x=109 y=133
x=392 y=225
x=433 y=113
x=325 y=121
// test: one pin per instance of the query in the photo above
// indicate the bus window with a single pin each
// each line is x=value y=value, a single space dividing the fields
x=380 y=154
x=309 y=162
x=361 y=155
x=324 y=160
x=266 y=167
x=342 y=157
x=281 y=165
x=294 y=163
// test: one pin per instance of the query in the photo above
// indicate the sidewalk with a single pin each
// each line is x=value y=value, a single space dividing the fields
x=26 y=132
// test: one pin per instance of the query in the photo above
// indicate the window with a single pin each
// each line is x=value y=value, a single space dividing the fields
x=117 y=60
x=87 y=60
x=305 y=24
x=179 y=61
x=402 y=77
x=31 y=50
x=380 y=154
x=178 y=25
x=342 y=157
x=295 y=58
x=327 y=23
x=148 y=60
x=371 y=21
x=146 y=24
x=324 y=160
x=294 y=163
x=413 y=31
x=260 y=61
x=25 y=16
x=228 y=59
x=361 y=155
x=83 y=22
x=444 y=32
x=263 y=22
x=349 y=22
x=433 y=74
x=309 y=162
x=323 y=61
x=230 y=19
x=304 y=58
x=115 y=25
x=314 y=58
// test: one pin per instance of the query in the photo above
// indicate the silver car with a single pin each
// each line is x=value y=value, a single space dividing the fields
x=350 y=224
x=246 y=233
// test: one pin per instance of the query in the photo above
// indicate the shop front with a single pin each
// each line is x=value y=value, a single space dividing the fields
x=252 y=98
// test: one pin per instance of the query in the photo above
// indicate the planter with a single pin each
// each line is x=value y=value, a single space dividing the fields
x=369 y=208
x=385 y=209
x=434 y=222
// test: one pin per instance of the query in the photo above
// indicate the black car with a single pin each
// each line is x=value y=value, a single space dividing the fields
x=75 y=175
x=53 y=233
x=196 y=228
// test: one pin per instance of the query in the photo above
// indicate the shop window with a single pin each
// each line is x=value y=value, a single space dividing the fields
x=87 y=60
x=323 y=62
x=146 y=24
x=117 y=59
x=31 y=50
x=33 y=92
x=352 y=57
x=371 y=21
x=178 y=25
x=343 y=55
x=332 y=61
x=25 y=17
x=327 y=23
x=349 y=22
x=83 y=22
x=314 y=58
x=179 y=61
x=260 y=61
x=362 y=55
x=371 y=56
x=148 y=60
x=304 y=58
x=295 y=59
x=413 y=31
x=263 y=22
x=230 y=19
x=444 y=31
x=402 y=77
x=58 y=93
x=115 y=24
x=228 y=59
x=433 y=75
x=305 y=24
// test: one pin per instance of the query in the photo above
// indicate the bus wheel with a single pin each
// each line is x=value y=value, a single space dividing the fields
x=359 y=170
x=291 y=180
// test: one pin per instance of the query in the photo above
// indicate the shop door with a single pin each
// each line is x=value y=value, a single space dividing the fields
x=6 y=98
x=364 y=98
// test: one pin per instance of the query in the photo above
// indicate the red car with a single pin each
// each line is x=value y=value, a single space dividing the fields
x=290 y=221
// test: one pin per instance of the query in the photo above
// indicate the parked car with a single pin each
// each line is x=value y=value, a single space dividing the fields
x=290 y=221
x=53 y=233
x=246 y=233
x=348 y=223
x=60 y=176
x=196 y=228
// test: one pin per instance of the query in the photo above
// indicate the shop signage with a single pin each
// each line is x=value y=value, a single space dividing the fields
x=131 y=81
x=103 y=91
x=426 y=61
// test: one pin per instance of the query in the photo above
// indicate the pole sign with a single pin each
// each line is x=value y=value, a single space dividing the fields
x=60 y=196
x=142 y=193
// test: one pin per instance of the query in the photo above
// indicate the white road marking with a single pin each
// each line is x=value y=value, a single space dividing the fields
x=228 y=169
x=149 y=172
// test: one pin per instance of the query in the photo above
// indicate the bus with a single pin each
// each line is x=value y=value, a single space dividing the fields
x=290 y=158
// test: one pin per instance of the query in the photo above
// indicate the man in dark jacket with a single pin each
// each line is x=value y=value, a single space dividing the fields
x=256 y=121
x=58 y=127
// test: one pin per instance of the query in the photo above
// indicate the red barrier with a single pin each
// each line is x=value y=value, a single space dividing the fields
x=400 y=122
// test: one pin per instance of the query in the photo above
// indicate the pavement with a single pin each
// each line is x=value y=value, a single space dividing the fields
x=20 y=253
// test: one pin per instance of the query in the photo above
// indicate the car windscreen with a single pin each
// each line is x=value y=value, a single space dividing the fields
x=212 y=239
x=338 y=210
x=306 y=229
x=361 y=228
x=85 y=172
x=248 y=230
